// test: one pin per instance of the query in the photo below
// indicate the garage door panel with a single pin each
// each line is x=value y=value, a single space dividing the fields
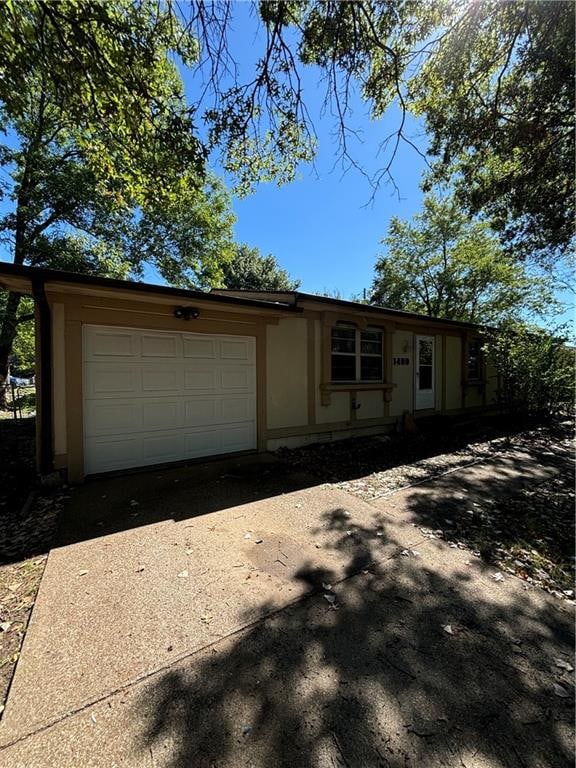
x=235 y=350
x=111 y=343
x=160 y=415
x=108 y=454
x=236 y=378
x=202 y=349
x=239 y=438
x=110 y=380
x=161 y=379
x=237 y=409
x=159 y=448
x=161 y=345
x=200 y=379
x=152 y=398
x=111 y=417
x=200 y=411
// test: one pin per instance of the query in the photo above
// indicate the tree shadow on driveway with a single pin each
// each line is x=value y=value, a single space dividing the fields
x=415 y=663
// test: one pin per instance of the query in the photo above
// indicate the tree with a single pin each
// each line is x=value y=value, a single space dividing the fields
x=62 y=213
x=535 y=369
x=493 y=81
x=249 y=270
x=443 y=264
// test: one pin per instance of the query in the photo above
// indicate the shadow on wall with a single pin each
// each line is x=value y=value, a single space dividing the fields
x=374 y=679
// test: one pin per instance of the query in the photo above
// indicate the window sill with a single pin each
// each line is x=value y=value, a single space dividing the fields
x=364 y=386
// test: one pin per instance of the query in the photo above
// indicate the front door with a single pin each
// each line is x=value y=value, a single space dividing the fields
x=424 y=372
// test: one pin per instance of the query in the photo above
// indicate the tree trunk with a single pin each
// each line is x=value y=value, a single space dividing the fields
x=8 y=330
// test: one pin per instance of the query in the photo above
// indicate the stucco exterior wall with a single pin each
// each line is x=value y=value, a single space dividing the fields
x=438 y=373
x=59 y=378
x=402 y=375
x=286 y=373
x=453 y=373
x=371 y=405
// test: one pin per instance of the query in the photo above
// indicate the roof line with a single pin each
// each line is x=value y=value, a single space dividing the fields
x=371 y=308
x=57 y=275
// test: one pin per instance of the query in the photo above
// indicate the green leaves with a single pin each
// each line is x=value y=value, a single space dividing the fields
x=249 y=270
x=535 y=368
x=444 y=265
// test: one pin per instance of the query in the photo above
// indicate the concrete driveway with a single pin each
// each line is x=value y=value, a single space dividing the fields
x=238 y=615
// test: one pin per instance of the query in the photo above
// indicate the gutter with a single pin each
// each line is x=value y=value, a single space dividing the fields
x=44 y=330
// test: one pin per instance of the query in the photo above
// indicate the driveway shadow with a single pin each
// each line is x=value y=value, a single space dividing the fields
x=374 y=677
x=107 y=505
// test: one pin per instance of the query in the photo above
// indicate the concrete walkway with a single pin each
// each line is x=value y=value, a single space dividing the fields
x=183 y=639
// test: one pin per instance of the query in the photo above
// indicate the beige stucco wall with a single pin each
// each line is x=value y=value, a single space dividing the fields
x=371 y=405
x=59 y=377
x=453 y=372
x=286 y=373
x=474 y=396
x=438 y=373
x=402 y=375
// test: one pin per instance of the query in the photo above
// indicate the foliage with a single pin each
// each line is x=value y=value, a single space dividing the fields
x=109 y=69
x=23 y=350
x=536 y=369
x=493 y=81
x=498 y=98
x=249 y=270
x=445 y=265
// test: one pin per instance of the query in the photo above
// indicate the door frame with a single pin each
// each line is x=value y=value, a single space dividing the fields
x=431 y=393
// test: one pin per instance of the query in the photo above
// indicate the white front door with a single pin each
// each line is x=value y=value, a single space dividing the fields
x=153 y=396
x=424 y=372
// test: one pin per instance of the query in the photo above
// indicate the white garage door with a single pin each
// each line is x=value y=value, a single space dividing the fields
x=153 y=397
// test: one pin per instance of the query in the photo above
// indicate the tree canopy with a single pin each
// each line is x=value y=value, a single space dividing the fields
x=493 y=82
x=249 y=270
x=443 y=264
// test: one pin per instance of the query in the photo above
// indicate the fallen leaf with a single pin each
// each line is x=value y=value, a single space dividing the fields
x=559 y=663
x=247 y=535
x=82 y=573
x=327 y=587
x=183 y=575
x=189 y=551
x=331 y=599
x=498 y=576
x=93 y=717
x=5 y=626
x=448 y=628
x=258 y=541
x=560 y=691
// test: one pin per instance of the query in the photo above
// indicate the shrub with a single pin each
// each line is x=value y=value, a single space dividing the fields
x=535 y=368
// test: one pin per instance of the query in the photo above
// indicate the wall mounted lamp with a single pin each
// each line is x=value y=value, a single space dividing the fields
x=186 y=313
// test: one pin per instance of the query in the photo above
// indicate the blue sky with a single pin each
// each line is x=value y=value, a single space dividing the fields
x=323 y=228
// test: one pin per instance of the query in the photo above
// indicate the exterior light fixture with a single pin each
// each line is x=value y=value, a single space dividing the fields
x=186 y=313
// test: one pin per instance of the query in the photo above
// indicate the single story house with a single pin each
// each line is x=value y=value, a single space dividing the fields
x=133 y=375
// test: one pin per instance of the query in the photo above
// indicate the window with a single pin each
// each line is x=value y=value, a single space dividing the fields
x=356 y=355
x=474 y=363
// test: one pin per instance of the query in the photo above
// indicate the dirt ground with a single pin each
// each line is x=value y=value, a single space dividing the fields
x=28 y=518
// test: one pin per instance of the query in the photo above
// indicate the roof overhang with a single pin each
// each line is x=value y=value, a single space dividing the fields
x=20 y=279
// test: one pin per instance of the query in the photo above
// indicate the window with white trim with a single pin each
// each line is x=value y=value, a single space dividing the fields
x=356 y=355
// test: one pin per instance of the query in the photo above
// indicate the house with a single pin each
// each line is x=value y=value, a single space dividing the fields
x=133 y=375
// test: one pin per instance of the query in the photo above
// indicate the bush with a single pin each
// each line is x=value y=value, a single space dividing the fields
x=535 y=367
